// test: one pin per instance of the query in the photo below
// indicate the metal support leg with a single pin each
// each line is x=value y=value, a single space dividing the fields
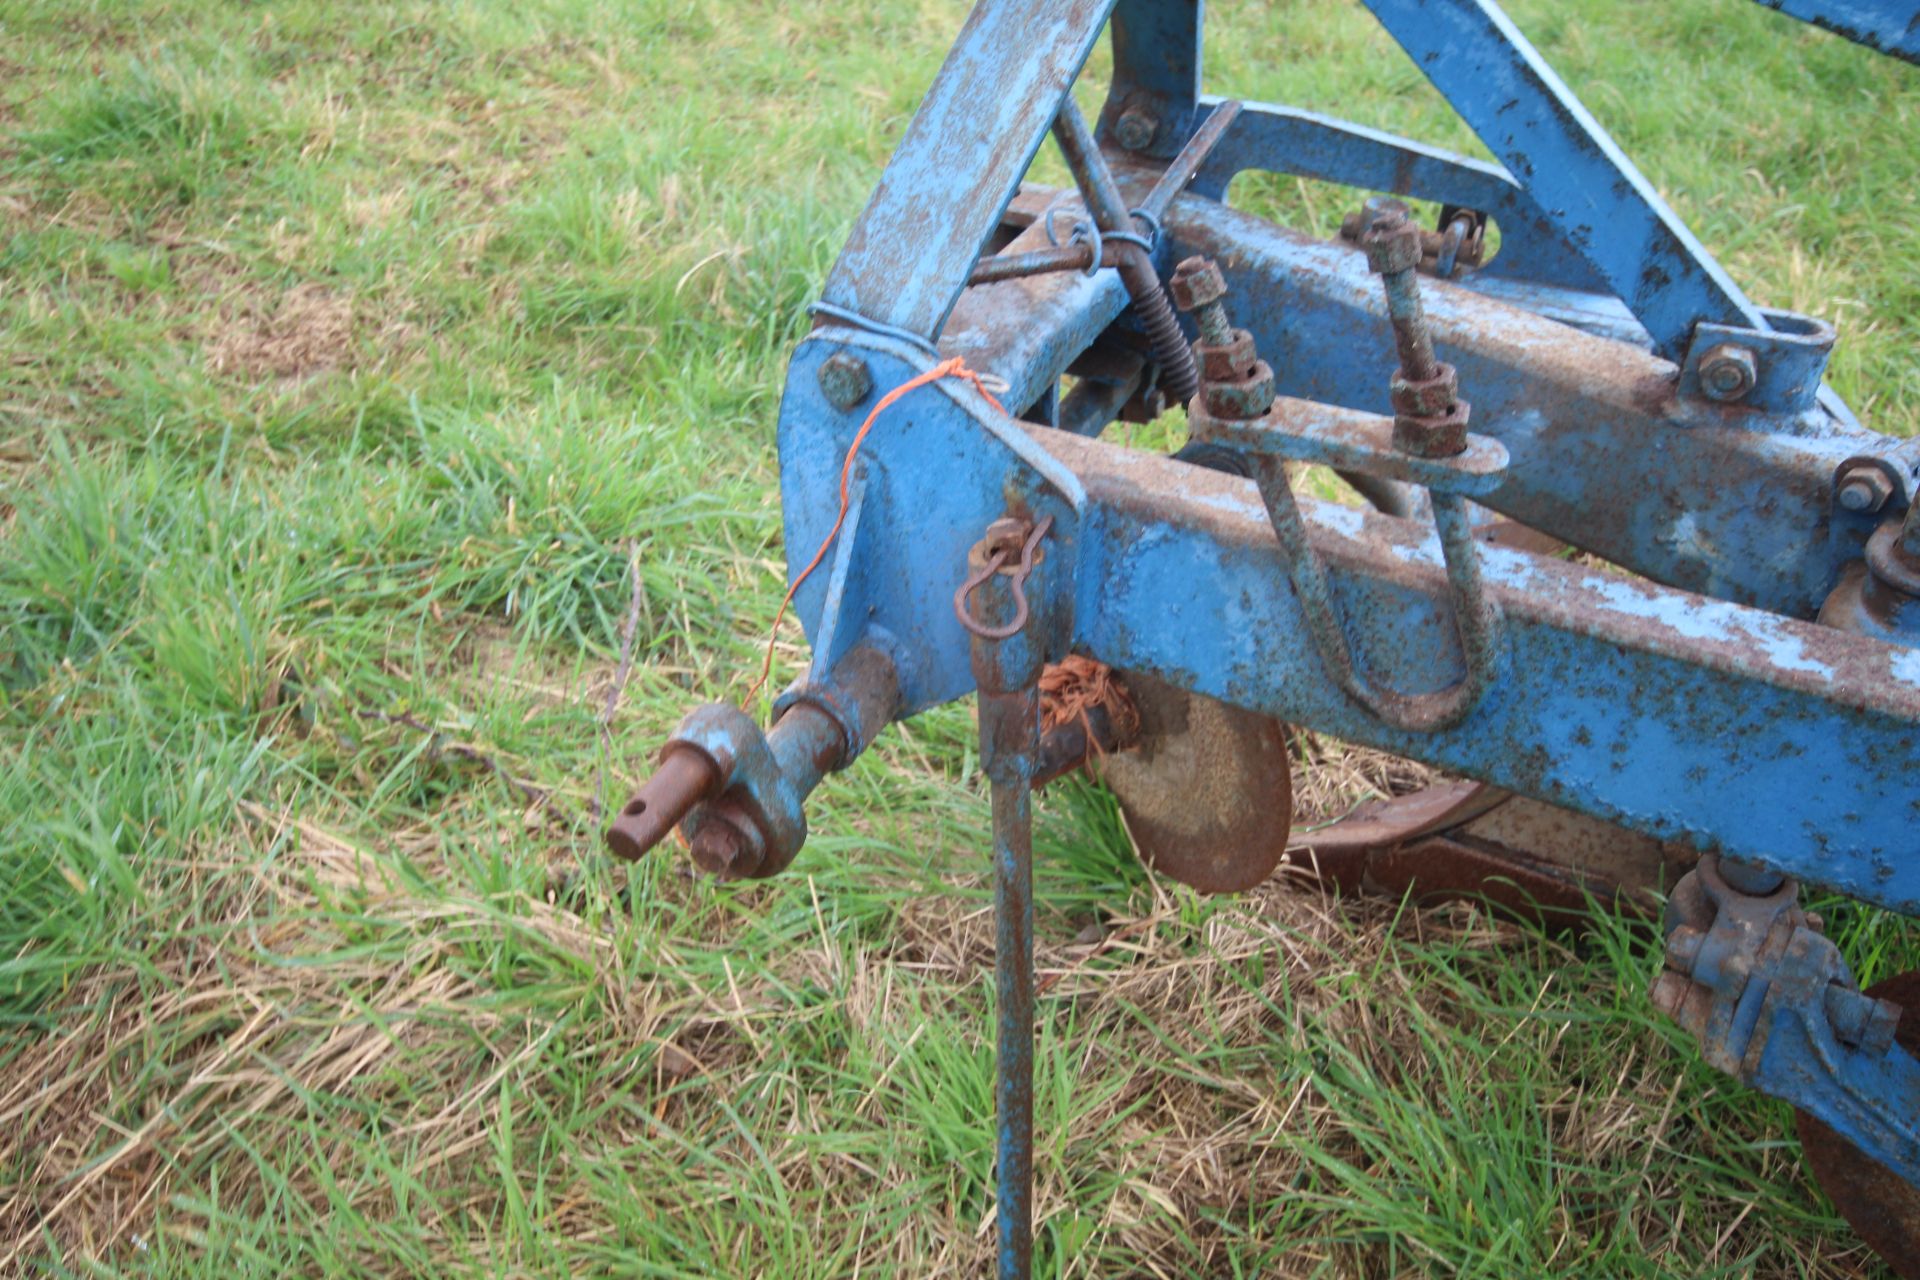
x=1006 y=664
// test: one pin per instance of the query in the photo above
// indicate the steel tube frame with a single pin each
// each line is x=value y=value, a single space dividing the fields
x=1729 y=728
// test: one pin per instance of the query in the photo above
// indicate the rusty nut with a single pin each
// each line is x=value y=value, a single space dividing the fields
x=845 y=380
x=726 y=842
x=1197 y=282
x=1427 y=398
x=1728 y=372
x=1230 y=359
x=1239 y=399
x=1135 y=129
x=1392 y=244
x=1442 y=435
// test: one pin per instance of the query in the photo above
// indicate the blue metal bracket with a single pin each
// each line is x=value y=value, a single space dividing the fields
x=1773 y=1004
x=1304 y=143
x=1627 y=398
x=975 y=133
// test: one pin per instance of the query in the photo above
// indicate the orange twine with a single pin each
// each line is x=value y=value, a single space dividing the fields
x=954 y=368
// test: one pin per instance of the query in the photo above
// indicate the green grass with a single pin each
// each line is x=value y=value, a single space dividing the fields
x=355 y=358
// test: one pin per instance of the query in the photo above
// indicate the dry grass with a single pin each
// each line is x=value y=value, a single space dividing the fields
x=267 y=1009
x=305 y=331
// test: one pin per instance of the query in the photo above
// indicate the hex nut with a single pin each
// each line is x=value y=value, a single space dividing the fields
x=1863 y=489
x=725 y=848
x=1135 y=129
x=1197 y=282
x=1239 y=399
x=1426 y=398
x=1391 y=244
x=1231 y=359
x=845 y=380
x=1442 y=435
x=1728 y=372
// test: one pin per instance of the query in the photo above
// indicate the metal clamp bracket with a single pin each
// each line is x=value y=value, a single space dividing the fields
x=1773 y=1004
x=1348 y=440
x=1304 y=431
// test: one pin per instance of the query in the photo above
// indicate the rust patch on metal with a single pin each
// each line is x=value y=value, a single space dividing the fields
x=1882 y=1208
x=1468 y=839
x=1208 y=793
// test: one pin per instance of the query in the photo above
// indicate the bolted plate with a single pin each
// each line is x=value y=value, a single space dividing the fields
x=1208 y=792
x=1882 y=1207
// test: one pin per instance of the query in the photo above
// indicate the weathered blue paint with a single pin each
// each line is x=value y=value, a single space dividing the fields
x=1577 y=174
x=1292 y=141
x=1891 y=26
x=973 y=137
x=1346 y=440
x=1787 y=743
x=1694 y=703
x=1156 y=71
x=1770 y=999
x=1008 y=672
x=1724 y=500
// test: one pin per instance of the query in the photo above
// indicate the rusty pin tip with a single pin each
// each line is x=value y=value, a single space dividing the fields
x=683 y=779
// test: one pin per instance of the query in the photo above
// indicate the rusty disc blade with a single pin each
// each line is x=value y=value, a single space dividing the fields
x=1468 y=839
x=1208 y=792
x=1882 y=1207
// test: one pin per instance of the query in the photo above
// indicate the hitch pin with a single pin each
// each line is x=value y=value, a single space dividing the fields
x=1001 y=547
x=1006 y=666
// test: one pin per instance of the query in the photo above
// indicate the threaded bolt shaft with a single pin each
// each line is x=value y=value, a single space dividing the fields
x=1215 y=329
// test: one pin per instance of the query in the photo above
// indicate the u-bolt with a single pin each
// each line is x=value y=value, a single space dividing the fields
x=1430 y=421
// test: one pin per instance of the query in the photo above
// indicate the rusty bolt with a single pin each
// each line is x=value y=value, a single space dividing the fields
x=1391 y=241
x=1196 y=283
x=845 y=380
x=728 y=849
x=1198 y=286
x=1135 y=129
x=1728 y=372
x=1864 y=489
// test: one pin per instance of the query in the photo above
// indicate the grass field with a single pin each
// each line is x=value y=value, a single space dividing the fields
x=358 y=358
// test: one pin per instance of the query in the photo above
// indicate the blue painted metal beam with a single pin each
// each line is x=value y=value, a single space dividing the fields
x=961 y=160
x=1728 y=502
x=1598 y=200
x=1276 y=139
x=1156 y=73
x=1786 y=743
x=1789 y=744
x=1891 y=26
x=1028 y=330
